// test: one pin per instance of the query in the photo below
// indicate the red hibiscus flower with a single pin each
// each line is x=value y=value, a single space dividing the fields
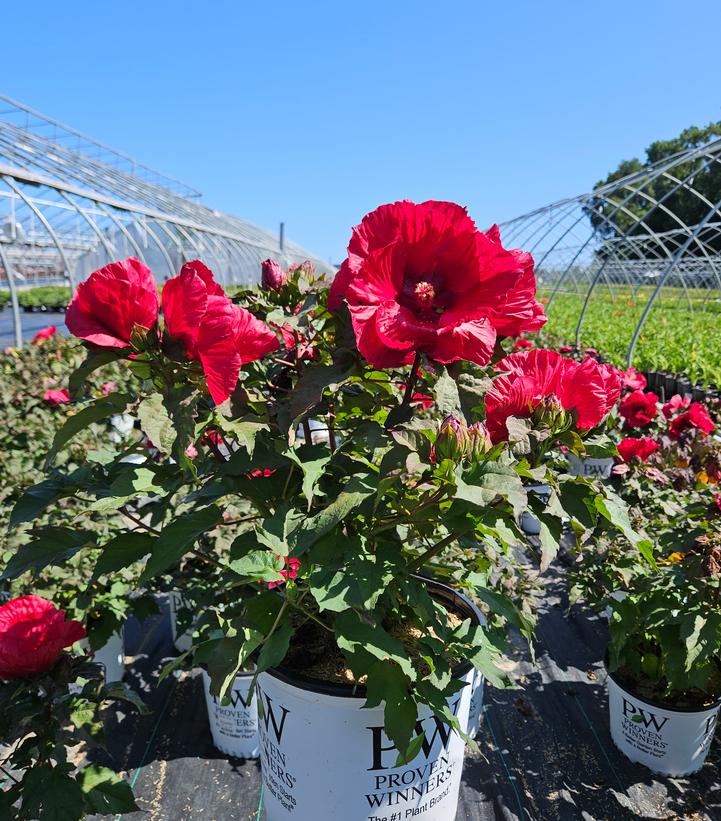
x=220 y=335
x=45 y=333
x=422 y=278
x=587 y=388
x=641 y=449
x=423 y=400
x=639 y=409
x=289 y=572
x=675 y=404
x=272 y=276
x=111 y=302
x=695 y=417
x=57 y=397
x=521 y=343
x=294 y=340
x=633 y=380
x=33 y=634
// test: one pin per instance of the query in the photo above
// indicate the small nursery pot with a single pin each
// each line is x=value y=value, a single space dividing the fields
x=176 y=602
x=324 y=756
x=666 y=740
x=529 y=523
x=234 y=726
x=594 y=468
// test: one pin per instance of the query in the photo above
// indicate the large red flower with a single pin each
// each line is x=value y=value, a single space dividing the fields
x=422 y=278
x=33 y=634
x=57 y=396
x=220 y=335
x=111 y=302
x=43 y=334
x=695 y=417
x=639 y=409
x=587 y=388
x=640 y=449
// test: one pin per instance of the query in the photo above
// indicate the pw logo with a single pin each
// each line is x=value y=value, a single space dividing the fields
x=645 y=717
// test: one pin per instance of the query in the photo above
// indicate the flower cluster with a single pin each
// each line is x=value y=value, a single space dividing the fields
x=118 y=307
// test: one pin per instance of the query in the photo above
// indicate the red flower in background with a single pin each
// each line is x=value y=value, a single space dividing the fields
x=695 y=417
x=57 y=396
x=289 y=572
x=422 y=278
x=220 y=335
x=111 y=302
x=260 y=473
x=43 y=334
x=108 y=388
x=587 y=388
x=633 y=380
x=718 y=502
x=639 y=409
x=33 y=634
x=566 y=349
x=675 y=404
x=521 y=343
x=272 y=276
x=641 y=449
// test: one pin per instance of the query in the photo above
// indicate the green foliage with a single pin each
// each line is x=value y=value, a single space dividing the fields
x=49 y=297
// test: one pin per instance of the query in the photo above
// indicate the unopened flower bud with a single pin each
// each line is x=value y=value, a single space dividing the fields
x=550 y=413
x=453 y=441
x=139 y=339
x=480 y=441
x=272 y=276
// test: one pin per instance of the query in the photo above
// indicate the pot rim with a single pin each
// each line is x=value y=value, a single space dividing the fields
x=658 y=704
x=441 y=591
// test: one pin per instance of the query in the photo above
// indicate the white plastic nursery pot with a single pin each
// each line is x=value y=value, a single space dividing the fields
x=234 y=726
x=667 y=741
x=324 y=756
x=529 y=523
x=111 y=655
x=593 y=468
x=176 y=603
x=475 y=710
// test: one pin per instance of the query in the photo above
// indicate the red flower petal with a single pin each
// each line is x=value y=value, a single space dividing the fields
x=111 y=302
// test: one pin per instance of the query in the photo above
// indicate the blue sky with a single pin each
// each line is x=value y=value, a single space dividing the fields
x=314 y=113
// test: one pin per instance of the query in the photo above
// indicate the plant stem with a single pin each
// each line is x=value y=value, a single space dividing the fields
x=309 y=615
x=412 y=380
x=435 y=550
x=331 y=428
x=124 y=510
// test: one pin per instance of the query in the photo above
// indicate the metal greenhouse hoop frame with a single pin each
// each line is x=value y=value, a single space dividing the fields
x=608 y=239
x=69 y=205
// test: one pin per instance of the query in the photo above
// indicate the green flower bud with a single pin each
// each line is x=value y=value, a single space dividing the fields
x=453 y=441
x=480 y=441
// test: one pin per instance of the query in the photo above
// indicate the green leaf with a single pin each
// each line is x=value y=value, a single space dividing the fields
x=387 y=683
x=315 y=380
x=36 y=498
x=50 y=794
x=117 y=690
x=312 y=460
x=489 y=481
x=105 y=792
x=156 y=423
x=177 y=537
x=93 y=361
x=352 y=496
x=122 y=551
x=93 y=412
x=353 y=634
x=275 y=648
x=243 y=430
x=53 y=546
x=447 y=398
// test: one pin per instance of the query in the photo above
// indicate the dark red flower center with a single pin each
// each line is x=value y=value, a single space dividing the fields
x=425 y=296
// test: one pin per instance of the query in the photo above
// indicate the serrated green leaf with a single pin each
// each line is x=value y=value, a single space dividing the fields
x=156 y=423
x=122 y=551
x=53 y=546
x=105 y=791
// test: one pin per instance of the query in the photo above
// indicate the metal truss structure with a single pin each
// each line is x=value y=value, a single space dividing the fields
x=69 y=205
x=654 y=235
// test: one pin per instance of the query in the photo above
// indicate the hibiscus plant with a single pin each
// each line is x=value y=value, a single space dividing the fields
x=360 y=435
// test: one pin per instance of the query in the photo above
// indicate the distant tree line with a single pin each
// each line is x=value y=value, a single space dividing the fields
x=682 y=205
